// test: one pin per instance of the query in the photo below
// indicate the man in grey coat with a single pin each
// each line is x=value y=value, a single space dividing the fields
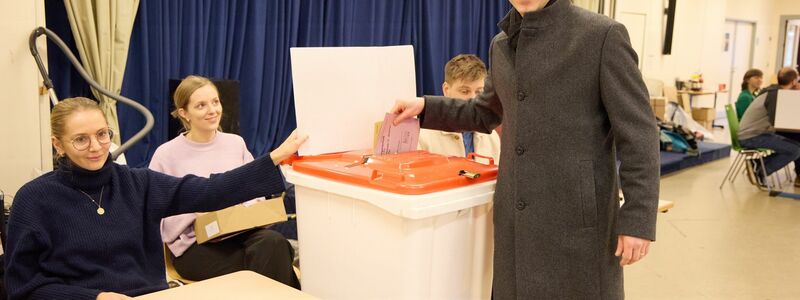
x=564 y=81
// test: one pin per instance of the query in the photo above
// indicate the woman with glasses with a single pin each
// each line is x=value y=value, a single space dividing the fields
x=203 y=150
x=90 y=228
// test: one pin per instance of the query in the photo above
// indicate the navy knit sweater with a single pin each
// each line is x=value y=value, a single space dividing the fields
x=59 y=247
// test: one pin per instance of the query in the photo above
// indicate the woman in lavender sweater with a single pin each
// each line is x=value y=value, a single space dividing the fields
x=203 y=150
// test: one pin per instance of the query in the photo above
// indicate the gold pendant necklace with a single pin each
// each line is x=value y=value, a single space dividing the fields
x=100 y=210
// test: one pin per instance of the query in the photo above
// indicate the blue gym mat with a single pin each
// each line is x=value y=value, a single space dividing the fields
x=673 y=162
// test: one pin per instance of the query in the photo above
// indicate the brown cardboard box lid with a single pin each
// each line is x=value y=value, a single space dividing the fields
x=227 y=221
x=703 y=113
x=658 y=101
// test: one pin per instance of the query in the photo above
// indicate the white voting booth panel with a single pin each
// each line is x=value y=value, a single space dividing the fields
x=340 y=92
x=787 y=110
x=361 y=243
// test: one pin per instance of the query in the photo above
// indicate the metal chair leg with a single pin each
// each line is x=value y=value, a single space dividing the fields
x=742 y=163
x=749 y=171
x=764 y=172
x=731 y=169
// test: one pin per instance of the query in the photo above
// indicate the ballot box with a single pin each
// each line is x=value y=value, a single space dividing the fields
x=413 y=225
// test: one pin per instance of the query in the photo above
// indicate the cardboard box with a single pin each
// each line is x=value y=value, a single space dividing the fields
x=660 y=112
x=224 y=222
x=658 y=101
x=658 y=104
x=703 y=114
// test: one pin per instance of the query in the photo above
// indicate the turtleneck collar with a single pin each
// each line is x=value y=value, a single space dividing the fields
x=81 y=178
x=513 y=22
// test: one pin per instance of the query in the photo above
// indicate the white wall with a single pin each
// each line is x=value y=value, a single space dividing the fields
x=763 y=13
x=783 y=8
x=24 y=115
x=698 y=38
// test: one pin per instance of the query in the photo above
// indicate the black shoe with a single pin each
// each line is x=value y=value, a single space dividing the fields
x=762 y=182
x=760 y=178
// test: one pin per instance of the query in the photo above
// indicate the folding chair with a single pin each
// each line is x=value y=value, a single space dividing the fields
x=744 y=156
x=173 y=278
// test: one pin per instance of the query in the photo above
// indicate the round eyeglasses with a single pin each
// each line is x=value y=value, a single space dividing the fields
x=83 y=141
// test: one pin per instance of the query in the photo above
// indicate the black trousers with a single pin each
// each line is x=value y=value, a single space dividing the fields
x=259 y=250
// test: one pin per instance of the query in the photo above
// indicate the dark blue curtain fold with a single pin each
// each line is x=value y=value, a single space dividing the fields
x=66 y=80
x=249 y=41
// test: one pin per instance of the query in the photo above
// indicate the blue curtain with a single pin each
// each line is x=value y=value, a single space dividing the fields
x=66 y=80
x=249 y=41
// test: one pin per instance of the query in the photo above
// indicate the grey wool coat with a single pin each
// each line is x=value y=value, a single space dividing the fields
x=572 y=101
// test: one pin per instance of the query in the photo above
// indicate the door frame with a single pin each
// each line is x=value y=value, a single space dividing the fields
x=784 y=19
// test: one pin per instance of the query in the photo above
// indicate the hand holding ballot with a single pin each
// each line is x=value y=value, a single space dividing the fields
x=397 y=137
x=407 y=108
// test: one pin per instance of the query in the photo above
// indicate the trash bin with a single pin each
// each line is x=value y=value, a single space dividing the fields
x=414 y=225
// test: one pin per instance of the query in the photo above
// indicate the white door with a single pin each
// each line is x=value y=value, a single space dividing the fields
x=737 y=56
x=634 y=15
x=636 y=23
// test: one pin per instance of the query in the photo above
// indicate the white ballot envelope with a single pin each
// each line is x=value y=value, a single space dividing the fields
x=339 y=92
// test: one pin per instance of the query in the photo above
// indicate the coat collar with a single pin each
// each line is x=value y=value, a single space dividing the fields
x=544 y=17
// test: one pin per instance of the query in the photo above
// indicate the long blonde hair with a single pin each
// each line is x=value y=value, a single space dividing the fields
x=184 y=91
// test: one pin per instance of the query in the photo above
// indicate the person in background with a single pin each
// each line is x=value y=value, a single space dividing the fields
x=464 y=77
x=203 y=150
x=566 y=86
x=751 y=84
x=757 y=129
x=90 y=228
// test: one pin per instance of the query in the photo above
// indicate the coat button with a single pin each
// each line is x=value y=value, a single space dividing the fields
x=521 y=96
x=521 y=205
x=520 y=150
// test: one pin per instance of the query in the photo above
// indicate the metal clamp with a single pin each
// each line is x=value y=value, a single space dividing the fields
x=468 y=174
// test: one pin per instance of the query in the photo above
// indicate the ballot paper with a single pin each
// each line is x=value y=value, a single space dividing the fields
x=399 y=138
x=340 y=92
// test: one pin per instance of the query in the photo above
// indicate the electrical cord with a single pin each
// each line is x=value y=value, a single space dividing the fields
x=48 y=83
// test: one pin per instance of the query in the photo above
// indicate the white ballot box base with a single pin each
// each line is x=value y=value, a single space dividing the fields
x=359 y=243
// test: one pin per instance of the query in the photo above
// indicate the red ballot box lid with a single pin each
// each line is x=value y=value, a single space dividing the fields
x=409 y=173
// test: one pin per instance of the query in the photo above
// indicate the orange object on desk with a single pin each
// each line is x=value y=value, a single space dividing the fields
x=409 y=173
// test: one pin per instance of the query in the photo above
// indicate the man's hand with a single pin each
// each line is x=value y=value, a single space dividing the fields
x=407 y=108
x=631 y=249
x=288 y=147
x=111 y=296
